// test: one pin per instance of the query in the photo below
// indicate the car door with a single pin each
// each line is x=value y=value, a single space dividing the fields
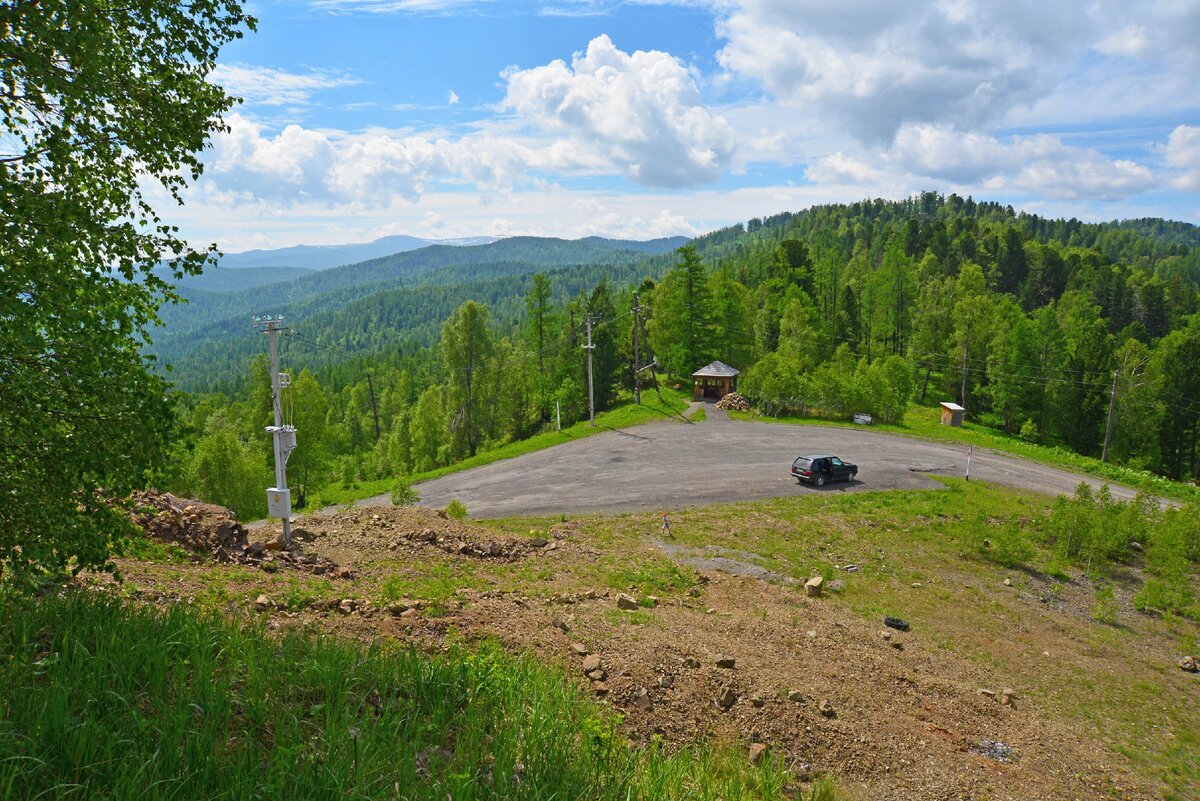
x=838 y=469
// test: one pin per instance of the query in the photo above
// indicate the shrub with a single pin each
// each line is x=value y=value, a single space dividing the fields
x=456 y=510
x=403 y=494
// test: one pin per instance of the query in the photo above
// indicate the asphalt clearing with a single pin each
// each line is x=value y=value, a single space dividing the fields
x=673 y=465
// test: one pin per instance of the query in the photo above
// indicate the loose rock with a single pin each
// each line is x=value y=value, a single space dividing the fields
x=826 y=709
x=726 y=662
x=591 y=663
x=641 y=700
x=626 y=601
x=895 y=623
x=812 y=587
x=579 y=648
x=561 y=625
x=796 y=696
x=1007 y=696
x=1188 y=663
x=726 y=699
x=262 y=603
x=757 y=750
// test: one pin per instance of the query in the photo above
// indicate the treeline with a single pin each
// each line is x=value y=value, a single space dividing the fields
x=1029 y=323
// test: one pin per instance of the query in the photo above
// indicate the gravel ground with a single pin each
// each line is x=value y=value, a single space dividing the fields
x=672 y=465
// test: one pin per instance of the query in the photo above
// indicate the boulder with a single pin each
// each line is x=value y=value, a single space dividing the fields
x=812 y=587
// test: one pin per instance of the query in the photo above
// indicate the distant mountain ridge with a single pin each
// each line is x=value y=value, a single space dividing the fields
x=322 y=257
x=212 y=327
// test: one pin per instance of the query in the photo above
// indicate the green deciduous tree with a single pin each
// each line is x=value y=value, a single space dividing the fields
x=467 y=346
x=99 y=101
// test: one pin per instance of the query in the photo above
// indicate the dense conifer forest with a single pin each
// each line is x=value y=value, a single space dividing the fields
x=419 y=360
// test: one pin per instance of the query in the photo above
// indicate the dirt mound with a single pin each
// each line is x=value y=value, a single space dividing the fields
x=733 y=402
x=209 y=530
x=382 y=529
x=195 y=526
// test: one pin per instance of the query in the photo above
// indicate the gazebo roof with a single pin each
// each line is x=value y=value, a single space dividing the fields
x=716 y=370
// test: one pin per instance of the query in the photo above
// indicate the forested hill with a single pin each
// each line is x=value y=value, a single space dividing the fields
x=1035 y=325
x=208 y=340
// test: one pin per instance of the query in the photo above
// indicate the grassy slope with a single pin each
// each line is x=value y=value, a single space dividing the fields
x=106 y=700
x=1117 y=679
x=623 y=415
x=925 y=422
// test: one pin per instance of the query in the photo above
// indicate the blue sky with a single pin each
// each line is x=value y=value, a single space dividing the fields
x=645 y=118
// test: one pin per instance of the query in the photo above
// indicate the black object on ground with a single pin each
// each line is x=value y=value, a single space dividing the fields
x=895 y=623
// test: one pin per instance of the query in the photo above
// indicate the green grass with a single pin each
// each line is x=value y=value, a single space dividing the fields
x=925 y=422
x=625 y=415
x=101 y=699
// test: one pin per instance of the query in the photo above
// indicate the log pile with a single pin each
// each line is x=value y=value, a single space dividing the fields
x=734 y=402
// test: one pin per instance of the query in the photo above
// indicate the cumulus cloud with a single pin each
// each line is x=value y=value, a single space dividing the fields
x=1041 y=165
x=875 y=65
x=641 y=112
x=1183 y=154
x=269 y=86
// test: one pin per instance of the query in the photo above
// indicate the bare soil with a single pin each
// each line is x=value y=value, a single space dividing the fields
x=896 y=715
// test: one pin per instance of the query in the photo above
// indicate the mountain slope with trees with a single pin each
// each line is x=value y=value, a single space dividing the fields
x=830 y=311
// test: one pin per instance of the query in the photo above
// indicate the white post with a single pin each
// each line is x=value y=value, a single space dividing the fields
x=970 y=450
x=558 y=415
x=279 y=500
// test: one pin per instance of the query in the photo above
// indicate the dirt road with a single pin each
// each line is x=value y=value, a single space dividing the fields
x=671 y=465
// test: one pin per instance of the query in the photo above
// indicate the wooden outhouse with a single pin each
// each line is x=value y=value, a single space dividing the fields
x=952 y=414
x=714 y=381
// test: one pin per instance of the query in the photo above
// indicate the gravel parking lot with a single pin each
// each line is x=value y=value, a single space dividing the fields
x=672 y=465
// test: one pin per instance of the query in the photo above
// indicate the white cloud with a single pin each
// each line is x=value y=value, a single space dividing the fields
x=1183 y=154
x=269 y=86
x=839 y=168
x=1041 y=166
x=642 y=112
x=453 y=98
x=876 y=64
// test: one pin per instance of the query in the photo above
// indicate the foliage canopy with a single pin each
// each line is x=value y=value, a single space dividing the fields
x=102 y=104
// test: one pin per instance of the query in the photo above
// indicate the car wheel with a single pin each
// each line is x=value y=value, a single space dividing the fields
x=820 y=481
x=852 y=476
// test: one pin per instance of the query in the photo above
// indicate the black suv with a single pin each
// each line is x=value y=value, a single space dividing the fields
x=819 y=468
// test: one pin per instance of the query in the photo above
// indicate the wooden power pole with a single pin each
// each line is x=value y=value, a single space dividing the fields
x=1112 y=405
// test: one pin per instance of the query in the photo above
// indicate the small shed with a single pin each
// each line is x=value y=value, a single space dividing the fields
x=714 y=381
x=952 y=414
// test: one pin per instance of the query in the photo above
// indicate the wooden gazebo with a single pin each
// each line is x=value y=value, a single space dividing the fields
x=714 y=381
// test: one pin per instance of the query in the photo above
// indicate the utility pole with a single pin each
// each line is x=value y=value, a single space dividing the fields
x=589 y=347
x=966 y=348
x=279 y=497
x=637 y=361
x=374 y=407
x=1112 y=405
